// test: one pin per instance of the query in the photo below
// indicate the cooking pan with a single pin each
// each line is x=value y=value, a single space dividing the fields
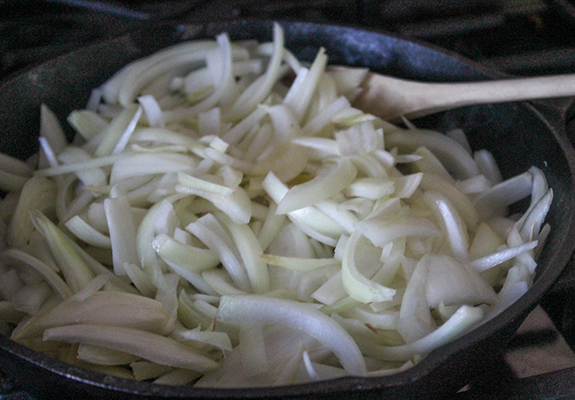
x=518 y=134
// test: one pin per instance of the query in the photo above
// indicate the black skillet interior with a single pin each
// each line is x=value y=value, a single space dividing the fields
x=518 y=135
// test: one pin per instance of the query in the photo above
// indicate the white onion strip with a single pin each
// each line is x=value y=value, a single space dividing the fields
x=201 y=229
x=265 y=310
x=47 y=272
x=490 y=261
x=147 y=345
x=122 y=233
x=451 y=224
x=455 y=326
x=452 y=154
x=328 y=182
x=356 y=284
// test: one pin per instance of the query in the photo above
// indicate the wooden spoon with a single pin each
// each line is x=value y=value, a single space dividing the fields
x=389 y=98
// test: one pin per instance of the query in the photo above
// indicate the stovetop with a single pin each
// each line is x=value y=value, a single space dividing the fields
x=525 y=37
x=521 y=37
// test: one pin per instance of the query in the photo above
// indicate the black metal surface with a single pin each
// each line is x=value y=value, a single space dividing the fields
x=525 y=37
x=518 y=134
x=148 y=10
x=32 y=31
x=557 y=385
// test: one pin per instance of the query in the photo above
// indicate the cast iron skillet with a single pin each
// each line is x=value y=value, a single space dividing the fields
x=518 y=134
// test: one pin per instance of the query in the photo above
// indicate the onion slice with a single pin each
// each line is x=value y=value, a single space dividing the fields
x=357 y=285
x=147 y=345
x=328 y=182
x=264 y=310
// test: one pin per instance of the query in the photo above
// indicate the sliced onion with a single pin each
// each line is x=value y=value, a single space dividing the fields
x=451 y=223
x=504 y=194
x=144 y=344
x=382 y=230
x=101 y=308
x=327 y=183
x=415 y=320
x=453 y=156
x=204 y=229
x=357 y=285
x=256 y=309
x=458 y=324
x=490 y=261
x=451 y=282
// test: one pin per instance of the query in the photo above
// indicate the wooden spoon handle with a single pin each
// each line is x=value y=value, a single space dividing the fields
x=390 y=98
x=507 y=90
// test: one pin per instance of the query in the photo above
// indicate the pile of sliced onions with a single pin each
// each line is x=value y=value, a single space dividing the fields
x=224 y=216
